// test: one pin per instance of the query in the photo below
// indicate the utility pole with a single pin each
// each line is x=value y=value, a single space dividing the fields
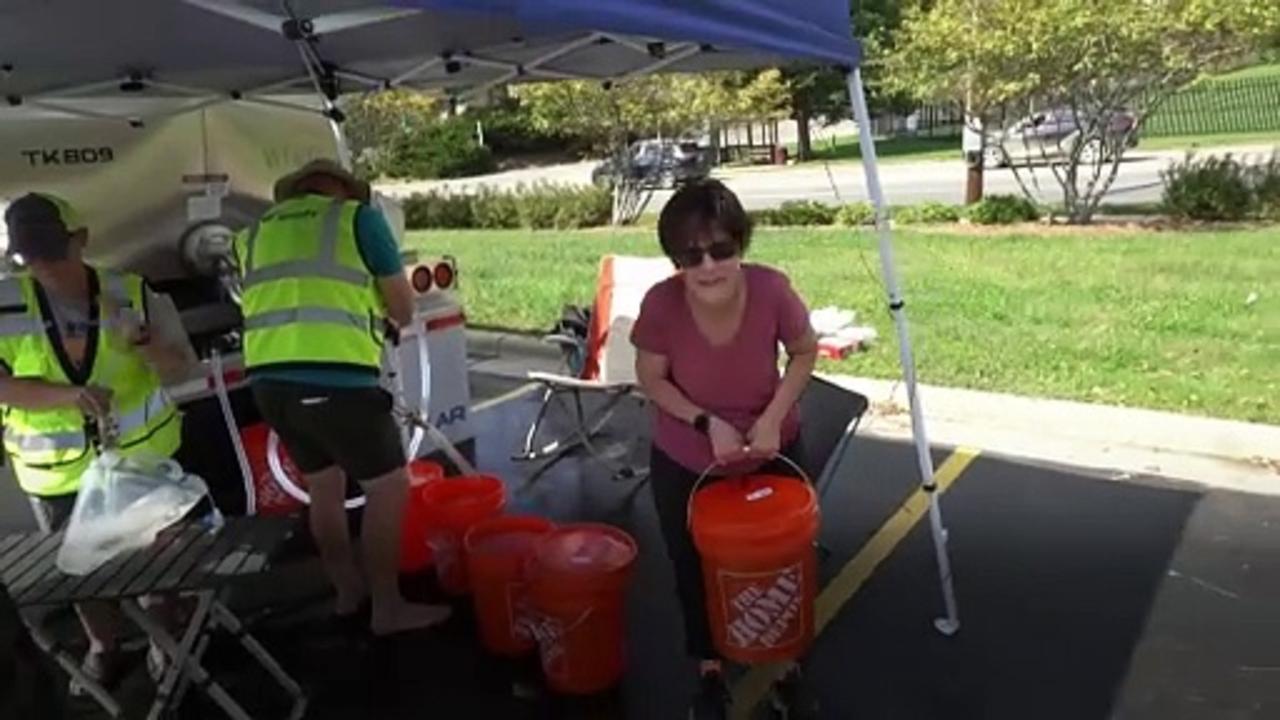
x=974 y=146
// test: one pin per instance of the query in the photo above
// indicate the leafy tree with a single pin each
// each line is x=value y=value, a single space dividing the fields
x=609 y=115
x=820 y=94
x=378 y=123
x=1089 y=60
x=815 y=94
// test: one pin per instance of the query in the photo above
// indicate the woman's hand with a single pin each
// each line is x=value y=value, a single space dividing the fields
x=764 y=439
x=727 y=443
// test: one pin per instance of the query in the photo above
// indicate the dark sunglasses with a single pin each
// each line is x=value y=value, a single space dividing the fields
x=692 y=257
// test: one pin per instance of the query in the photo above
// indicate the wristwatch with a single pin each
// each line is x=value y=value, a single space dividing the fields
x=702 y=423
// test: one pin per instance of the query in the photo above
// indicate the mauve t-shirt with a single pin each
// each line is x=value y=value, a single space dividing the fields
x=735 y=381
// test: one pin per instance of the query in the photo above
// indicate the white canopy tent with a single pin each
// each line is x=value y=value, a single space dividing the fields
x=142 y=60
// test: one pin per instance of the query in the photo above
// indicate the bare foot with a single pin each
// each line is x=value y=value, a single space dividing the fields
x=408 y=616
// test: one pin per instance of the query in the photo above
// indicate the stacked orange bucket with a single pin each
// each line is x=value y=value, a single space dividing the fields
x=558 y=589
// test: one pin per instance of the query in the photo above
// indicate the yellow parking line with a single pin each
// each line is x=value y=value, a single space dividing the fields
x=752 y=688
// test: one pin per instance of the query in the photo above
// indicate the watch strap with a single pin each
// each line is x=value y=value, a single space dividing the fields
x=702 y=423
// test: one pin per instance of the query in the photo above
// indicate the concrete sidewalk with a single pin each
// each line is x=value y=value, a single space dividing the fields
x=1116 y=440
x=1218 y=453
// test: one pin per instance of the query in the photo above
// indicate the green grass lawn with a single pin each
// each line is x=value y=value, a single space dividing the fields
x=1271 y=70
x=894 y=149
x=1145 y=319
x=1208 y=142
x=1243 y=102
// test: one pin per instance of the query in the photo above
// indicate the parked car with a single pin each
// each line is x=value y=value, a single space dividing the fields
x=662 y=163
x=1052 y=135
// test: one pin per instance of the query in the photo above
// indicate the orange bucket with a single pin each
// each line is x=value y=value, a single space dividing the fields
x=498 y=552
x=755 y=535
x=451 y=507
x=269 y=497
x=415 y=555
x=577 y=595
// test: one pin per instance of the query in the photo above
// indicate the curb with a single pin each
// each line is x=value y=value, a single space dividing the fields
x=1118 y=441
x=1214 y=452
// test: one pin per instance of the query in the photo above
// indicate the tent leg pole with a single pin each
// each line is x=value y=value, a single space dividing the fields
x=340 y=140
x=950 y=623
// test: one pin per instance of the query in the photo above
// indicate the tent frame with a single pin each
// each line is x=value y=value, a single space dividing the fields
x=949 y=623
x=323 y=79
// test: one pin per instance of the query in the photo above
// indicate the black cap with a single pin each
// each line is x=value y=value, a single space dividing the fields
x=40 y=226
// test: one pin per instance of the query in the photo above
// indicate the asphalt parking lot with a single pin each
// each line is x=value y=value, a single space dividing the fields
x=1080 y=597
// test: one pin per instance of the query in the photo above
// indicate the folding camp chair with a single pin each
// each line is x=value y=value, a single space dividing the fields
x=600 y=360
x=831 y=415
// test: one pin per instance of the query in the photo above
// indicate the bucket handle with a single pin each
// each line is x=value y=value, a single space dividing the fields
x=688 y=510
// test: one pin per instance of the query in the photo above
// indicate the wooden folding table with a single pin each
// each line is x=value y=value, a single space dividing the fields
x=193 y=560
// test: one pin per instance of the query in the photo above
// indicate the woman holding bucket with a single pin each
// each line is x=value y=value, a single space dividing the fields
x=707 y=357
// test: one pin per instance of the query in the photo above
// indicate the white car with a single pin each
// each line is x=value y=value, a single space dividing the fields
x=1052 y=135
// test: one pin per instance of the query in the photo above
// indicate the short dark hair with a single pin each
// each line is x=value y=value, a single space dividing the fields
x=697 y=206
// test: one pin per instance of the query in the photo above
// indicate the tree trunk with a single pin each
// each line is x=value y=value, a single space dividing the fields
x=804 y=140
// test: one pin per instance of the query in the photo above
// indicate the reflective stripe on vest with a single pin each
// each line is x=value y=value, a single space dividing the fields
x=48 y=442
x=320 y=315
x=325 y=265
x=298 y=269
x=156 y=404
x=18 y=325
x=11 y=294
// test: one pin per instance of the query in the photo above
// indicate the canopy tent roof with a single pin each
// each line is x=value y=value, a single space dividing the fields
x=200 y=51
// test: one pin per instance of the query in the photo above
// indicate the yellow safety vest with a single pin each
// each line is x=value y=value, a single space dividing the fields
x=308 y=300
x=52 y=448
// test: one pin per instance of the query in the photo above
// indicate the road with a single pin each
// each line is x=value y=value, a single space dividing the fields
x=1138 y=180
x=915 y=182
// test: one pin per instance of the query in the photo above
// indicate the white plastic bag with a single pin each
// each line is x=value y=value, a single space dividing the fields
x=123 y=503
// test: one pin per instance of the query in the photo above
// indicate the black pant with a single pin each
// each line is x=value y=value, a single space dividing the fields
x=321 y=427
x=671 y=483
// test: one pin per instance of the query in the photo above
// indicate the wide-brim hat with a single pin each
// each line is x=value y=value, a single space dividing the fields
x=287 y=186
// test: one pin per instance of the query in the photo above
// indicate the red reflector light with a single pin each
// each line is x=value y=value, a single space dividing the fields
x=421 y=279
x=444 y=276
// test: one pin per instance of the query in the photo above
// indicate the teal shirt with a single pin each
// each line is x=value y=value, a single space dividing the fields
x=381 y=255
